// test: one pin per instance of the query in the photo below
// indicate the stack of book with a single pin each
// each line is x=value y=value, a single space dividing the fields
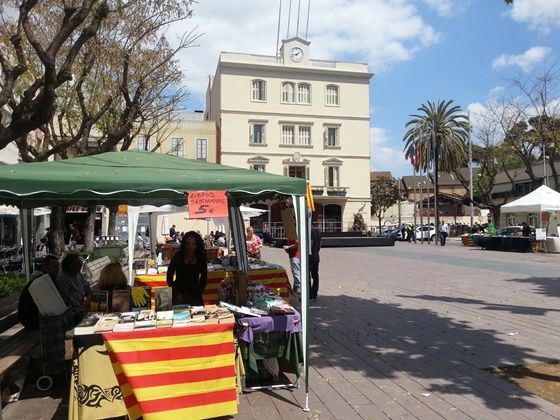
x=181 y=316
x=87 y=325
x=146 y=320
x=106 y=323
x=126 y=321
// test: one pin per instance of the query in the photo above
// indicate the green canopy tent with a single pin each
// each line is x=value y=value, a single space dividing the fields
x=139 y=178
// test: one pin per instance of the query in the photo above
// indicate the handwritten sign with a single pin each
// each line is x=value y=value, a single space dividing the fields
x=203 y=204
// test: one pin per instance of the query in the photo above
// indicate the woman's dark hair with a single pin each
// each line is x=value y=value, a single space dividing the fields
x=200 y=251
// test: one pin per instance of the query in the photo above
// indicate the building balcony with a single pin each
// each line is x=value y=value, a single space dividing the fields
x=337 y=191
x=317 y=190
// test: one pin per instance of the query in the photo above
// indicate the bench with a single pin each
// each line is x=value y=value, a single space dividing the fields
x=93 y=268
x=14 y=345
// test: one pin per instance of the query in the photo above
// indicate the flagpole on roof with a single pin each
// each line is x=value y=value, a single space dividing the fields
x=428 y=197
x=421 y=171
x=470 y=169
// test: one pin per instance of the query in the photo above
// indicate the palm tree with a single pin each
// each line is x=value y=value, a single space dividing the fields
x=440 y=134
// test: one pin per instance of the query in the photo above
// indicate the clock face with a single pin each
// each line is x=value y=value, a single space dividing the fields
x=296 y=54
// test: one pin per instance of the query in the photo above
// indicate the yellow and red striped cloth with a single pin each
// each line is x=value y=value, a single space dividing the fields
x=273 y=278
x=166 y=373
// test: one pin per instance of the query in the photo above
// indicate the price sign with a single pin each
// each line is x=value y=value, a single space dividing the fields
x=204 y=204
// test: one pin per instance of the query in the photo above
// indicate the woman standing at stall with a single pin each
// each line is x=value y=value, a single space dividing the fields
x=254 y=244
x=187 y=271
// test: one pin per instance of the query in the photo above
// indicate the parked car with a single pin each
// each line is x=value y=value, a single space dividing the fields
x=513 y=230
x=426 y=232
x=392 y=233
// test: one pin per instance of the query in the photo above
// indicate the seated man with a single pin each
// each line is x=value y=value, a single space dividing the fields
x=73 y=287
x=28 y=313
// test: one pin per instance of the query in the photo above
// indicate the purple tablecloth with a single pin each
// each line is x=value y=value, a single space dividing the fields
x=247 y=327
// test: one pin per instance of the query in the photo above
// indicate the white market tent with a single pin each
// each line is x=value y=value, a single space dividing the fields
x=542 y=200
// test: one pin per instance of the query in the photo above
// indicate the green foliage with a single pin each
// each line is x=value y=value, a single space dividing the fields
x=10 y=284
x=115 y=259
x=450 y=131
x=384 y=194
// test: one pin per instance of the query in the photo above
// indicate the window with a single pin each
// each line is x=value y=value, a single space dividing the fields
x=304 y=136
x=142 y=143
x=258 y=90
x=288 y=134
x=201 y=149
x=177 y=147
x=296 y=167
x=331 y=137
x=296 y=172
x=258 y=163
x=332 y=172
x=333 y=176
x=304 y=93
x=257 y=134
x=331 y=95
x=288 y=92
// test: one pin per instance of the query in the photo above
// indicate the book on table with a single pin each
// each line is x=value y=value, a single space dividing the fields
x=120 y=300
x=141 y=298
x=164 y=298
x=88 y=323
x=107 y=323
x=99 y=301
x=181 y=316
x=126 y=322
x=146 y=319
x=164 y=319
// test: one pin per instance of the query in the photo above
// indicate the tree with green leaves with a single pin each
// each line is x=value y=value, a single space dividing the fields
x=87 y=79
x=439 y=134
x=384 y=194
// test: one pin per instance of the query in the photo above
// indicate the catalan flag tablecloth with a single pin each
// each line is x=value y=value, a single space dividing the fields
x=176 y=373
x=272 y=278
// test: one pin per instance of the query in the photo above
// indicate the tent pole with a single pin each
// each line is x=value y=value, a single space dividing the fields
x=303 y=236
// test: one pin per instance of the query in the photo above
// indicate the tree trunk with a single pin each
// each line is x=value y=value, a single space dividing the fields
x=89 y=229
x=58 y=217
x=112 y=220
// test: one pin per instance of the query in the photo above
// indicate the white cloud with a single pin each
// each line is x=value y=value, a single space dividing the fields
x=526 y=61
x=447 y=8
x=385 y=158
x=387 y=32
x=540 y=15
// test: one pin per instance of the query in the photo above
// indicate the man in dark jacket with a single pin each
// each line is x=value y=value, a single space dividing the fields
x=314 y=262
x=28 y=313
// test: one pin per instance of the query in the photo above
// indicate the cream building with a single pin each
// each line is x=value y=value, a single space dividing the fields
x=301 y=117
x=189 y=136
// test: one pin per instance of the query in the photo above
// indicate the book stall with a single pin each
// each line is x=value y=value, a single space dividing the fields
x=162 y=371
x=206 y=353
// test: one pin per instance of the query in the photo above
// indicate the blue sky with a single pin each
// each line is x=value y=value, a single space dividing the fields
x=419 y=50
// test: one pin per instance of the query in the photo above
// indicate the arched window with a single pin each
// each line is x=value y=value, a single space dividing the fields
x=288 y=92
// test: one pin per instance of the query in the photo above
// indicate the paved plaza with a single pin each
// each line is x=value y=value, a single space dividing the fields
x=406 y=332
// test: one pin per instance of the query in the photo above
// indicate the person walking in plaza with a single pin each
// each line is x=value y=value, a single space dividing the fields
x=173 y=233
x=314 y=260
x=443 y=232
x=293 y=254
x=72 y=237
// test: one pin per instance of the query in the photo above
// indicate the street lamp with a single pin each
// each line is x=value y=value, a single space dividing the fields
x=544 y=164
